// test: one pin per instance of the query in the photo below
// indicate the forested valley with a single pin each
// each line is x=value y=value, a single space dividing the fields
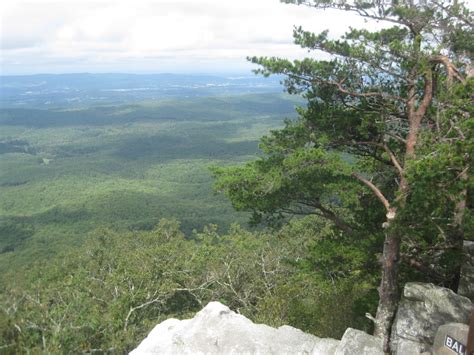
x=120 y=208
x=110 y=223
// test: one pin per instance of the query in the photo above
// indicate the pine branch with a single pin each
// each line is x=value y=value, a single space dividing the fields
x=375 y=190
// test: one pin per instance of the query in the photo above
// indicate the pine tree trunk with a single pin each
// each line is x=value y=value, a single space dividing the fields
x=388 y=291
x=458 y=224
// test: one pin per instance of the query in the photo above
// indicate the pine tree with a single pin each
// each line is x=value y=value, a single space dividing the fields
x=388 y=117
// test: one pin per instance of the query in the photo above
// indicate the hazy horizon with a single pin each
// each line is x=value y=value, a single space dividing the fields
x=82 y=89
x=154 y=36
x=248 y=73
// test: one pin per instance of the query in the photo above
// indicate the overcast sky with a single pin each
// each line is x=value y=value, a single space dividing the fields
x=139 y=36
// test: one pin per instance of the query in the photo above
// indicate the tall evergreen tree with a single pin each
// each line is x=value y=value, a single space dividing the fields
x=385 y=139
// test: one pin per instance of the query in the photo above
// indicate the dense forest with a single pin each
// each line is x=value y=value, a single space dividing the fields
x=67 y=172
x=109 y=222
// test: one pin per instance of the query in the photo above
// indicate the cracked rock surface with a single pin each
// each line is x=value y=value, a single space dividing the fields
x=218 y=330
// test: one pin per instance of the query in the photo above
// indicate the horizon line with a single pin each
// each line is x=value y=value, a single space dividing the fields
x=197 y=73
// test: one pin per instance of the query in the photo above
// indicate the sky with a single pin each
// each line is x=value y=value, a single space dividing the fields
x=153 y=36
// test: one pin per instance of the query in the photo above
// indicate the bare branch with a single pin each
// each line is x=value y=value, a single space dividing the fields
x=328 y=214
x=365 y=94
x=133 y=309
x=374 y=189
x=340 y=87
x=394 y=160
x=369 y=316
x=352 y=8
x=450 y=68
x=458 y=16
x=422 y=267
x=389 y=152
x=398 y=138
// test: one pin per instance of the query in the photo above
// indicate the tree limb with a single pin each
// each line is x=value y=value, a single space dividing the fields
x=389 y=152
x=374 y=189
x=327 y=213
x=361 y=94
x=133 y=309
x=351 y=8
x=422 y=267
x=340 y=87
x=452 y=71
x=394 y=160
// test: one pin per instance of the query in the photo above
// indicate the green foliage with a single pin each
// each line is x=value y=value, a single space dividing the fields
x=395 y=102
x=440 y=205
x=110 y=292
x=88 y=262
x=333 y=284
x=122 y=167
x=338 y=168
x=359 y=117
x=14 y=234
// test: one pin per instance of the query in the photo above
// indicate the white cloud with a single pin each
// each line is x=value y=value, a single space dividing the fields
x=157 y=35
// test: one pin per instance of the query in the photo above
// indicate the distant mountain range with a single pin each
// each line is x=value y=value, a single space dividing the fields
x=60 y=90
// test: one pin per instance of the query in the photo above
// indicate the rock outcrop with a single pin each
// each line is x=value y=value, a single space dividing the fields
x=218 y=330
x=450 y=338
x=358 y=342
x=422 y=310
x=422 y=314
x=466 y=282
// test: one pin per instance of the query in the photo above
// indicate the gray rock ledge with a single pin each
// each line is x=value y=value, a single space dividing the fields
x=218 y=330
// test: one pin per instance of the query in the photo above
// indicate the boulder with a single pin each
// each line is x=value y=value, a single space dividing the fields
x=466 y=282
x=218 y=330
x=358 y=342
x=422 y=310
x=451 y=337
x=325 y=346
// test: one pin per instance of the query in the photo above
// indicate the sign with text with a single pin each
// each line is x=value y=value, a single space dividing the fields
x=454 y=345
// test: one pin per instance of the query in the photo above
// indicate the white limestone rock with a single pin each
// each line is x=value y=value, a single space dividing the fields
x=423 y=308
x=457 y=341
x=466 y=282
x=218 y=330
x=358 y=342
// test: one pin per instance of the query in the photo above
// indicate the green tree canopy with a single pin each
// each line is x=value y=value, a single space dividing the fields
x=383 y=145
